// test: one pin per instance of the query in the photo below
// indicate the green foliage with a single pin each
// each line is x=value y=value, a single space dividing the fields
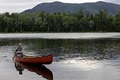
x=60 y=22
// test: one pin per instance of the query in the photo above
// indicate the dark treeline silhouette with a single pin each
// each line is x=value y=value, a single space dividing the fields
x=60 y=22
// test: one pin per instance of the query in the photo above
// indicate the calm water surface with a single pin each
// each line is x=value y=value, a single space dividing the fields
x=74 y=59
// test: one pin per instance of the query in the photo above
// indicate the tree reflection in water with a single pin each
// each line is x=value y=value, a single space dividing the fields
x=37 y=68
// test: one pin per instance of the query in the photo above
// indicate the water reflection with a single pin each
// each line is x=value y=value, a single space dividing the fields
x=19 y=68
x=38 y=69
x=66 y=48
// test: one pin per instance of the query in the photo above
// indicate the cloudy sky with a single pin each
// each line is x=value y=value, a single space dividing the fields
x=21 y=5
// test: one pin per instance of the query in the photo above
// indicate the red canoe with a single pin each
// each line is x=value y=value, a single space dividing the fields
x=35 y=60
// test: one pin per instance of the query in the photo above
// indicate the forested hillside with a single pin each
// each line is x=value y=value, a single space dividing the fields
x=92 y=8
x=60 y=22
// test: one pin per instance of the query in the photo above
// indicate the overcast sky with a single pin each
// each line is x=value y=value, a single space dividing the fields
x=21 y=5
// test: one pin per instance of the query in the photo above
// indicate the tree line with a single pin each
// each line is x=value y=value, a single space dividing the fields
x=60 y=22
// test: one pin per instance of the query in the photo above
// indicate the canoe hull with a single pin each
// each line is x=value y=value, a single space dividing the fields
x=35 y=60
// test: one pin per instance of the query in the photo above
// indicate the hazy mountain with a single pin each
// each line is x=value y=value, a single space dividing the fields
x=69 y=7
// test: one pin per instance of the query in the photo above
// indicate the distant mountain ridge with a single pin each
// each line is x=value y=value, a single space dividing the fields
x=74 y=7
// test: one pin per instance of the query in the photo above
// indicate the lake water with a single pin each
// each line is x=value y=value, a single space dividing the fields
x=77 y=56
